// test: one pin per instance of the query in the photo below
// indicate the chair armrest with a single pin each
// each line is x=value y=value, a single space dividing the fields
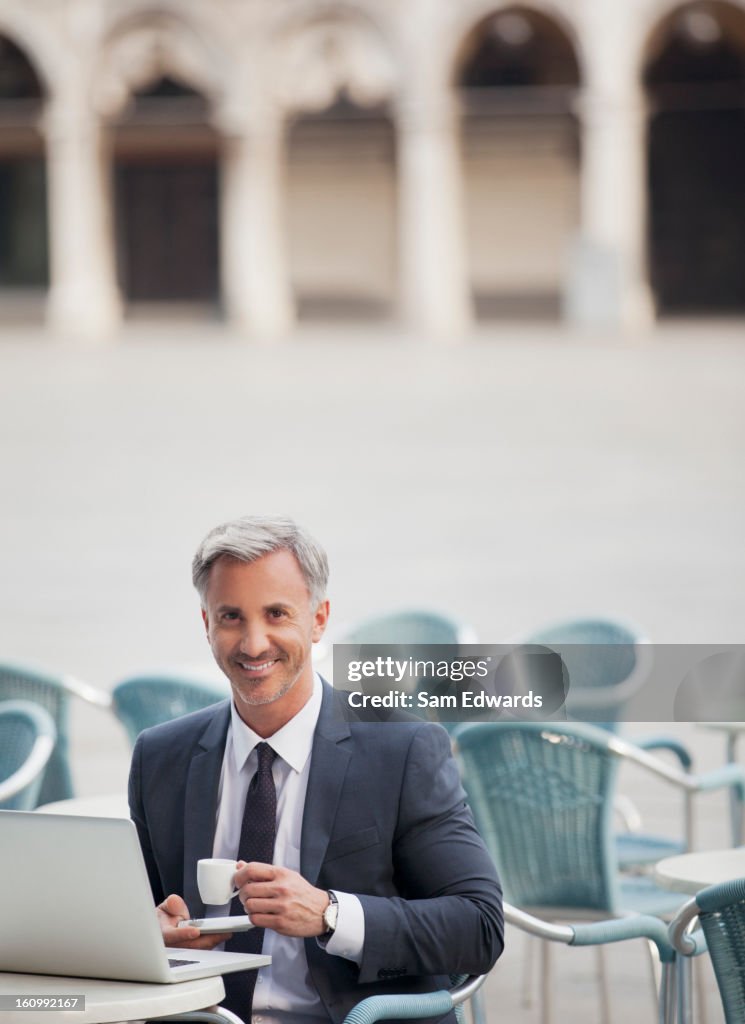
x=728 y=776
x=684 y=942
x=668 y=743
x=596 y=933
x=87 y=692
x=637 y=926
x=427 y=1004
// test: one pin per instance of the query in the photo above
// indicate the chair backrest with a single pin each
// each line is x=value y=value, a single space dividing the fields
x=413 y=629
x=27 y=737
x=722 y=917
x=408 y=626
x=607 y=663
x=145 y=700
x=542 y=797
x=20 y=682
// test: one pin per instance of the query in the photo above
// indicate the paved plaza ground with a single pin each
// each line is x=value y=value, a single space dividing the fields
x=526 y=475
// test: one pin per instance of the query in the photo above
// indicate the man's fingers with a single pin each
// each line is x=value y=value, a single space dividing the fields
x=254 y=871
x=192 y=938
x=258 y=891
x=175 y=906
x=266 y=906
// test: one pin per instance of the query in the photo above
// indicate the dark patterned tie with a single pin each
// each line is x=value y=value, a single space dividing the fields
x=258 y=832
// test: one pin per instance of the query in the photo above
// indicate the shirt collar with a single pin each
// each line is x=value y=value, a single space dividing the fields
x=293 y=742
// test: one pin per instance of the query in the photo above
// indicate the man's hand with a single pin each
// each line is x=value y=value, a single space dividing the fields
x=170 y=912
x=278 y=898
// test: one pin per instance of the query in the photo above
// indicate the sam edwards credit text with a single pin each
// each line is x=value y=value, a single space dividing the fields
x=423 y=699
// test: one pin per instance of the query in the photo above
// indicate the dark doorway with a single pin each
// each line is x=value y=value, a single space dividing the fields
x=23 y=198
x=167 y=230
x=23 y=222
x=696 y=85
x=166 y=197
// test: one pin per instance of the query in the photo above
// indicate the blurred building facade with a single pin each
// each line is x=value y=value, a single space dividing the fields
x=434 y=163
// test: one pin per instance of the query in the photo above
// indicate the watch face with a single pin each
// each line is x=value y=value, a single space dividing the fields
x=330 y=915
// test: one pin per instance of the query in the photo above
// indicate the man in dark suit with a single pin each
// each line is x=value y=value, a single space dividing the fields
x=375 y=879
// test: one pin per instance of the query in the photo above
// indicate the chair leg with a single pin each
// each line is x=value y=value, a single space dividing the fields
x=699 y=966
x=478 y=1007
x=605 y=1015
x=528 y=960
x=656 y=970
x=547 y=982
x=668 y=993
x=684 y=973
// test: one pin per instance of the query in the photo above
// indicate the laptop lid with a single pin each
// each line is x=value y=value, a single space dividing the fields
x=76 y=901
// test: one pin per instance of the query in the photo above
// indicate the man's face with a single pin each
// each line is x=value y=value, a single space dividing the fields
x=261 y=627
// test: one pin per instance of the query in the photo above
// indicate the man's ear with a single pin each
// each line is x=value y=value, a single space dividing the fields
x=206 y=621
x=320 y=621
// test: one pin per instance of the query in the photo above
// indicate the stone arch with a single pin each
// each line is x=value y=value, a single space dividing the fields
x=323 y=53
x=694 y=76
x=517 y=73
x=652 y=34
x=161 y=83
x=153 y=43
x=470 y=19
x=336 y=82
x=38 y=43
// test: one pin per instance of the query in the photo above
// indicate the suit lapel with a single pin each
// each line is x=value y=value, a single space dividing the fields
x=200 y=804
x=329 y=762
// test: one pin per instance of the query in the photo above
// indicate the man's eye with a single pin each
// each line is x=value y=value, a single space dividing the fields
x=229 y=616
x=277 y=613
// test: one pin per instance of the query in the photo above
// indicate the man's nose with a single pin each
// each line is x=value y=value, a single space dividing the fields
x=254 y=641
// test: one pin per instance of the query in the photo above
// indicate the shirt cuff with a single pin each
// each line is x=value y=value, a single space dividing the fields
x=349 y=935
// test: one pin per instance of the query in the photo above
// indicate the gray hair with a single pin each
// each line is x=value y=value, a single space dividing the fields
x=251 y=537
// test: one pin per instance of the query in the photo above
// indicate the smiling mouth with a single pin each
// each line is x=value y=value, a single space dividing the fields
x=256 y=668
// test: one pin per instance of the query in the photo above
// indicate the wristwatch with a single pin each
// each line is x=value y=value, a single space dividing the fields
x=330 y=916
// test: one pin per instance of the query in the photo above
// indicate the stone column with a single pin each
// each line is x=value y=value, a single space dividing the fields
x=433 y=269
x=255 y=273
x=608 y=283
x=83 y=296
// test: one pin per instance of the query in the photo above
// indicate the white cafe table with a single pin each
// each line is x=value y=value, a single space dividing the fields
x=690 y=872
x=110 y=805
x=106 y=1001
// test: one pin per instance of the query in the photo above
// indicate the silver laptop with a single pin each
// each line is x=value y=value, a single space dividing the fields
x=75 y=900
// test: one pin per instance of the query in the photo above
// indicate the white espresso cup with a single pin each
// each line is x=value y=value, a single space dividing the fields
x=215 y=880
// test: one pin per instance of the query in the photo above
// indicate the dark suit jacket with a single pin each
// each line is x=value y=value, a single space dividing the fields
x=385 y=818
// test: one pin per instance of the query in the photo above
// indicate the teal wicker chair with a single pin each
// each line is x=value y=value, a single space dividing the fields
x=408 y=626
x=52 y=692
x=27 y=738
x=608 y=663
x=412 y=630
x=144 y=700
x=721 y=913
x=542 y=796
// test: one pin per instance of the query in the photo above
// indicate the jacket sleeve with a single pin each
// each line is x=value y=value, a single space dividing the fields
x=447 y=917
x=137 y=814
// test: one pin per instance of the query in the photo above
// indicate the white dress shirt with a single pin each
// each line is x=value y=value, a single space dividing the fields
x=285 y=986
